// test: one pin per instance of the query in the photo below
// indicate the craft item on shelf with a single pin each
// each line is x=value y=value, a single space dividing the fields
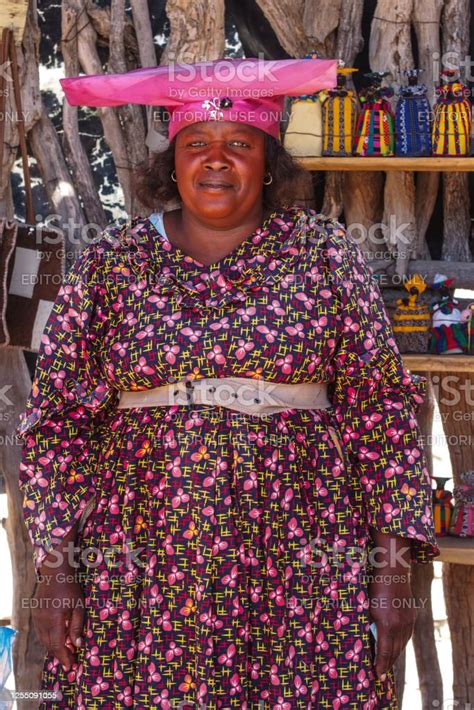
x=304 y=133
x=447 y=334
x=462 y=519
x=442 y=506
x=375 y=131
x=412 y=118
x=467 y=324
x=340 y=109
x=412 y=319
x=451 y=134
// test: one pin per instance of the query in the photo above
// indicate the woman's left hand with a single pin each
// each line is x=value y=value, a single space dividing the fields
x=392 y=609
x=392 y=606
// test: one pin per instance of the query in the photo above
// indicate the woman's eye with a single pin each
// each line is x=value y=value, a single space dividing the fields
x=240 y=143
x=196 y=143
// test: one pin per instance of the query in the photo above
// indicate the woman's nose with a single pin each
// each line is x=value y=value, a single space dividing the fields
x=216 y=158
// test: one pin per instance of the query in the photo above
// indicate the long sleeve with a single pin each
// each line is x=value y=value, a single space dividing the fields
x=376 y=400
x=69 y=399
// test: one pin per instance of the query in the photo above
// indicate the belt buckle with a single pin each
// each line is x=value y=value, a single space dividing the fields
x=190 y=392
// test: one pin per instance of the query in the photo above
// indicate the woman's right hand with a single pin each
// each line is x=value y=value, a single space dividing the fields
x=58 y=608
x=58 y=612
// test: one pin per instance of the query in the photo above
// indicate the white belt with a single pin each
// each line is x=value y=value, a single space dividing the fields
x=243 y=394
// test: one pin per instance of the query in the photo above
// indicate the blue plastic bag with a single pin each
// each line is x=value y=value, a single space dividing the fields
x=6 y=640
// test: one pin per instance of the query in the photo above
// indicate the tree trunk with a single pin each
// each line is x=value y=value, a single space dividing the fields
x=399 y=218
x=391 y=50
x=131 y=115
x=286 y=19
x=426 y=19
x=349 y=44
x=196 y=31
x=424 y=643
x=73 y=148
x=27 y=651
x=456 y=203
x=458 y=580
x=320 y=24
x=363 y=209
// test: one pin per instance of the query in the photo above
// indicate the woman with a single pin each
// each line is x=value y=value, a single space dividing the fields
x=224 y=525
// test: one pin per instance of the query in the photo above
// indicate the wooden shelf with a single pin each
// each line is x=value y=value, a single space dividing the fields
x=384 y=164
x=442 y=363
x=459 y=550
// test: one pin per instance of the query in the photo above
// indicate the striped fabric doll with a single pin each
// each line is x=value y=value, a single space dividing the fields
x=304 y=133
x=451 y=134
x=375 y=132
x=413 y=118
x=340 y=109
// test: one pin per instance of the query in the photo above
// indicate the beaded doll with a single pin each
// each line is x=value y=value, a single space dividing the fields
x=412 y=320
x=375 y=135
x=451 y=134
x=412 y=118
x=447 y=333
x=340 y=109
x=304 y=133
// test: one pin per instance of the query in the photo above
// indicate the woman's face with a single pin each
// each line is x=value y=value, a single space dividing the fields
x=220 y=168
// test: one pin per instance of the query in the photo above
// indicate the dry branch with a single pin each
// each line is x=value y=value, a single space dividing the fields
x=73 y=148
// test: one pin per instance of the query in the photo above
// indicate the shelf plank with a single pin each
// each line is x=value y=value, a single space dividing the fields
x=385 y=164
x=459 y=550
x=438 y=363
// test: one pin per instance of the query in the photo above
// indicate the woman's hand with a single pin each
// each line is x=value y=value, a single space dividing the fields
x=392 y=606
x=58 y=611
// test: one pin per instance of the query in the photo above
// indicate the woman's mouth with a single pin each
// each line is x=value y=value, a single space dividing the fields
x=216 y=185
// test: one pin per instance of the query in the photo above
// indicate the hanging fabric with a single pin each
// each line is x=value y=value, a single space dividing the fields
x=32 y=257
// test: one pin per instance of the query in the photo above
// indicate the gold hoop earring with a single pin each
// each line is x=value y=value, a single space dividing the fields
x=269 y=180
x=173 y=176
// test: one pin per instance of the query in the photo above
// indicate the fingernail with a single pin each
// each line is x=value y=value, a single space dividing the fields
x=79 y=642
x=383 y=677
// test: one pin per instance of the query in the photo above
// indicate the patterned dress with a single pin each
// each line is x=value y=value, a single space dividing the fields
x=221 y=553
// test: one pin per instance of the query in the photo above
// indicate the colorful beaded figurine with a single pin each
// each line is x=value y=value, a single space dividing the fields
x=412 y=118
x=462 y=519
x=451 y=134
x=467 y=324
x=340 y=109
x=442 y=506
x=304 y=133
x=412 y=320
x=375 y=134
x=447 y=336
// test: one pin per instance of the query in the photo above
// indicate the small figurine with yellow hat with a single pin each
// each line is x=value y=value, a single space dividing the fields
x=412 y=319
x=340 y=110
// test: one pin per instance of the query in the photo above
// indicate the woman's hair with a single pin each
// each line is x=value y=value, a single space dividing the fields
x=154 y=187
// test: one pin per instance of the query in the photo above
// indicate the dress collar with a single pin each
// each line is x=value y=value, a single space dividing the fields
x=260 y=260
